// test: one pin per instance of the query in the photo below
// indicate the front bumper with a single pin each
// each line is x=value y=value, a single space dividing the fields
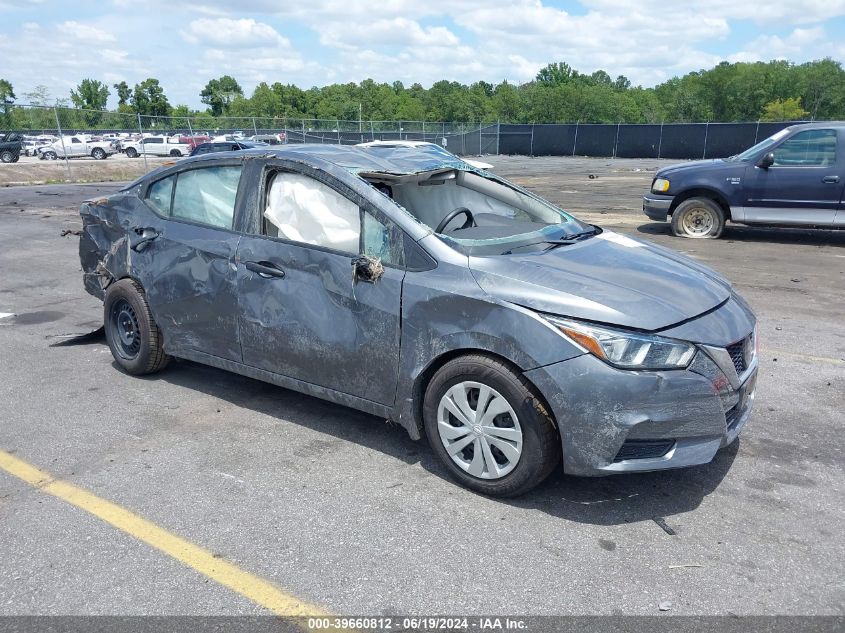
x=656 y=206
x=617 y=421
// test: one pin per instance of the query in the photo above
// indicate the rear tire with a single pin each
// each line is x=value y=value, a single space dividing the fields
x=698 y=218
x=131 y=152
x=175 y=153
x=511 y=448
x=132 y=335
x=98 y=153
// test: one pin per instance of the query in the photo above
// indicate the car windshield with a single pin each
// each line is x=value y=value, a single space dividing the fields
x=751 y=152
x=480 y=214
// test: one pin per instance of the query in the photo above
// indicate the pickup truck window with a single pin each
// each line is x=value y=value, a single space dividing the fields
x=811 y=148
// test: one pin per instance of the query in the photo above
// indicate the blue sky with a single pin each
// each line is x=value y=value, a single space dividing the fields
x=184 y=44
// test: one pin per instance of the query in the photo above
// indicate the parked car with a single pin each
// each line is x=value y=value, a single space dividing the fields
x=434 y=147
x=225 y=146
x=269 y=139
x=156 y=146
x=419 y=289
x=76 y=147
x=795 y=177
x=10 y=147
x=193 y=141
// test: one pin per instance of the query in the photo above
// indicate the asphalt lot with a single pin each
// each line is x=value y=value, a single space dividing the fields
x=346 y=512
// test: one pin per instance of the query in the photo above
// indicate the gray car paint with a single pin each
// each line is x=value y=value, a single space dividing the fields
x=373 y=345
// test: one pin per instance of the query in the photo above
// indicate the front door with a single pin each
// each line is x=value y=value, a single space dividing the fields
x=185 y=251
x=303 y=313
x=803 y=186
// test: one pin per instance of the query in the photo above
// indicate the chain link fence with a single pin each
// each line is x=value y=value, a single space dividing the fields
x=675 y=141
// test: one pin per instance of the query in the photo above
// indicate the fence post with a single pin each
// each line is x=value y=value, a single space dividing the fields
x=62 y=139
x=303 y=130
x=704 y=151
x=254 y=129
x=757 y=131
x=337 y=123
x=190 y=129
x=141 y=143
x=498 y=135
x=616 y=140
x=423 y=129
x=575 y=140
x=660 y=141
x=531 y=149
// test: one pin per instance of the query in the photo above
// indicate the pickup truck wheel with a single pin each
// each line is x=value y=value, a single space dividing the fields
x=698 y=218
x=49 y=155
x=131 y=152
x=7 y=156
x=131 y=333
x=175 y=153
x=488 y=427
x=98 y=153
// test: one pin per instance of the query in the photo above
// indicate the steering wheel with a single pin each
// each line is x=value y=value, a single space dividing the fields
x=452 y=215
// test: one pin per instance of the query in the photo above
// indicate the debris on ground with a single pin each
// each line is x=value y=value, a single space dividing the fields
x=665 y=526
x=664 y=606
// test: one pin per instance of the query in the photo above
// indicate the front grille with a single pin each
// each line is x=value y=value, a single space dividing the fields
x=737 y=352
x=643 y=449
x=732 y=417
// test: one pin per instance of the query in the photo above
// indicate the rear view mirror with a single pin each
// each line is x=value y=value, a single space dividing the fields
x=767 y=161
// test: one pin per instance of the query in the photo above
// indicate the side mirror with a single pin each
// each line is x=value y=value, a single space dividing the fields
x=767 y=161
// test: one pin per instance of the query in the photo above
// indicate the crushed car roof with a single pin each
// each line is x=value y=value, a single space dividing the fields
x=375 y=159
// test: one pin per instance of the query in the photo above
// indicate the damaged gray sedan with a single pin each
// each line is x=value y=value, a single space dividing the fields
x=418 y=288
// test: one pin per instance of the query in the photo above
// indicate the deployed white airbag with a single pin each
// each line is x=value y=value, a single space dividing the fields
x=306 y=210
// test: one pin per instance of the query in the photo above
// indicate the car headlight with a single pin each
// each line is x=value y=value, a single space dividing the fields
x=624 y=349
x=660 y=185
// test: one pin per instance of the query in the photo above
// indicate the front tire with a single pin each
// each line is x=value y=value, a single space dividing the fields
x=488 y=427
x=132 y=335
x=699 y=218
x=131 y=152
x=7 y=157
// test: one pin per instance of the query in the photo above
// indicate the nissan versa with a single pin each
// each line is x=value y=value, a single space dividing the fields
x=416 y=287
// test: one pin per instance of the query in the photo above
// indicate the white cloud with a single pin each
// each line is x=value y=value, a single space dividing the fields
x=231 y=33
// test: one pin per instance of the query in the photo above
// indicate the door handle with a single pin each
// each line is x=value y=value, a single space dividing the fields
x=266 y=270
x=145 y=236
x=830 y=179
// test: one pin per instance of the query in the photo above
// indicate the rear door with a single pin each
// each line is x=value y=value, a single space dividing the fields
x=804 y=185
x=184 y=256
x=304 y=313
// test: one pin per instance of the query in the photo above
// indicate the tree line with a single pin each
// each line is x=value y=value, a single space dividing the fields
x=774 y=91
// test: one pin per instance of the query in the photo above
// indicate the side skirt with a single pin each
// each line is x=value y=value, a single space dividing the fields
x=338 y=397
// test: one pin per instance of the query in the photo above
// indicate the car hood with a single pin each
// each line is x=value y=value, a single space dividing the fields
x=610 y=278
x=696 y=165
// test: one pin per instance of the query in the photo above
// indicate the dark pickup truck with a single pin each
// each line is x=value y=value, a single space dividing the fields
x=793 y=178
x=10 y=147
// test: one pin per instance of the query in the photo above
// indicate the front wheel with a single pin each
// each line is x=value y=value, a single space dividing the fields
x=489 y=428
x=49 y=155
x=131 y=152
x=131 y=333
x=7 y=157
x=698 y=218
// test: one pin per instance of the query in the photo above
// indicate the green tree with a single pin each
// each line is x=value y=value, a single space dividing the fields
x=783 y=110
x=90 y=94
x=124 y=93
x=7 y=95
x=148 y=98
x=40 y=96
x=219 y=94
x=556 y=73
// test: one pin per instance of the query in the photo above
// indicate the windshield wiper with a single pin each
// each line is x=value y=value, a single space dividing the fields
x=563 y=241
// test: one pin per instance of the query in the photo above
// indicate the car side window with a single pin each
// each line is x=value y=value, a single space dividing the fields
x=302 y=209
x=207 y=195
x=810 y=148
x=160 y=194
x=383 y=241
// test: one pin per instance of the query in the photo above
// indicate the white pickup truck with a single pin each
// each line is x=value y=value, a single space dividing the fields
x=74 y=147
x=157 y=146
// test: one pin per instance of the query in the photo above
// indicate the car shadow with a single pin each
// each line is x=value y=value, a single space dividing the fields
x=611 y=500
x=770 y=235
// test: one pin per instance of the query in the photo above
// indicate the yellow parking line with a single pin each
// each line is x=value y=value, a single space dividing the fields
x=252 y=587
x=818 y=359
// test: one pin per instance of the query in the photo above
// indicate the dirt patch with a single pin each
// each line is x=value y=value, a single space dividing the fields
x=31 y=171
